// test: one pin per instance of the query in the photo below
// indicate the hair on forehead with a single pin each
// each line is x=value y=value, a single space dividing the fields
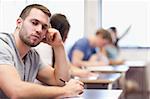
x=104 y=34
x=25 y=12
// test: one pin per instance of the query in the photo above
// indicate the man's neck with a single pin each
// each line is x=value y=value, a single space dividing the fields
x=92 y=40
x=21 y=46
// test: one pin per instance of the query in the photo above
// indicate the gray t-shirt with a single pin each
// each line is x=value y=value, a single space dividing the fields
x=9 y=55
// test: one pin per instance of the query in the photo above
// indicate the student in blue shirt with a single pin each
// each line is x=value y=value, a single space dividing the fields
x=84 y=48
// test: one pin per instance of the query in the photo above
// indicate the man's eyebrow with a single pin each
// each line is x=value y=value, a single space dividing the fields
x=45 y=25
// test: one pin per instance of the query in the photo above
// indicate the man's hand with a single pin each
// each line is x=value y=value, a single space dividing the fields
x=53 y=38
x=73 y=88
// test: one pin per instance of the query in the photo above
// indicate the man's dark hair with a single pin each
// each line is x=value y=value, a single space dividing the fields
x=25 y=12
x=114 y=29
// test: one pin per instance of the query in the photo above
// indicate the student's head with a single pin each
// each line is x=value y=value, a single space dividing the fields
x=33 y=24
x=113 y=32
x=114 y=29
x=103 y=37
x=60 y=22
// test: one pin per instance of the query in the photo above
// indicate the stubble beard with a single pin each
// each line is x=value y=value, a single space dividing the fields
x=26 y=40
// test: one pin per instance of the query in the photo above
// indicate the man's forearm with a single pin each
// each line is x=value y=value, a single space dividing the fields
x=62 y=68
x=24 y=90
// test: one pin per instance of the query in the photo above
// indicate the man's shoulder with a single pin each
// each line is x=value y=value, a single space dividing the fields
x=83 y=39
x=82 y=42
x=4 y=36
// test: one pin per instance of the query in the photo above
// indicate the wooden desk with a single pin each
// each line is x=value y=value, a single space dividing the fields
x=137 y=73
x=99 y=94
x=100 y=79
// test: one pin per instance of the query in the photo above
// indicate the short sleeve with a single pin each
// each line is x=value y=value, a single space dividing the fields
x=81 y=45
x=6 y=55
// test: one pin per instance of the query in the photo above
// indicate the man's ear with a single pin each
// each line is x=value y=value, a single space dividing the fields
x=19 y=22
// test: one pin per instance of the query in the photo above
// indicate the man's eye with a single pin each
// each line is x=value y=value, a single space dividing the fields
x=35 y=23
x=44 y=27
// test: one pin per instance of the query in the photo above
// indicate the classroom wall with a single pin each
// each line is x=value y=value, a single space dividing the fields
x=73 y=9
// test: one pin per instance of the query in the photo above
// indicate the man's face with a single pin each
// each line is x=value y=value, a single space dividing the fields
x=34 y=27
x=101 y=42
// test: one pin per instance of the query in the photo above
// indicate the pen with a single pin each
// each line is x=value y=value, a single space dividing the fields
x=62 y=81
x=66 y=82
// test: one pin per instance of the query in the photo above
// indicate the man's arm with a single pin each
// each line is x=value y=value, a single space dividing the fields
x=77 y=57
x=75 y=71
x=14 y=88
x=62 y=69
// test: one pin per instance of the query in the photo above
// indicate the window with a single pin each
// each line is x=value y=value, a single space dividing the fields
x=122 y=14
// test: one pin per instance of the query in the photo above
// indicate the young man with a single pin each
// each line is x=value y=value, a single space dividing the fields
x=20 y=64
x=84 y=48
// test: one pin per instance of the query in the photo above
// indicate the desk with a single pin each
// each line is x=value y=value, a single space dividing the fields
x=135 y=63
x=100 y=79
x=112 y=69
x=136 y=73
x=99 y=94
x=109 y=69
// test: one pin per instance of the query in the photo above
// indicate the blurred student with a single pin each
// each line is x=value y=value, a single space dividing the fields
x=112 y=49
x=84 y=48
x=60 y=22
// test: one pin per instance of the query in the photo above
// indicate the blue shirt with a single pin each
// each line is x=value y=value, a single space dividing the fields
x=82 y=45
x=112 y=52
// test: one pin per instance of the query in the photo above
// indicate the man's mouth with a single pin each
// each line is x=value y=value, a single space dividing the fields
x=35 y=36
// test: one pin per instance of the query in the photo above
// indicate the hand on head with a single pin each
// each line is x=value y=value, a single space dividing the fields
x=53 y=38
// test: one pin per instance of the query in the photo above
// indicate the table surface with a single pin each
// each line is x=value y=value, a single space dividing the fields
x=101 y=78
x=98 y=94
x=110 y=69
x=136 y=63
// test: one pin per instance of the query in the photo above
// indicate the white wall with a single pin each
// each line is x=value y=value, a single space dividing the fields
x=9 y=12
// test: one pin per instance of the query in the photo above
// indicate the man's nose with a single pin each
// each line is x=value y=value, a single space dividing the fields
x=39 y=28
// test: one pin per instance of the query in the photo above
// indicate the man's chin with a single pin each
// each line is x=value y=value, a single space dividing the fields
x=34 y=45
